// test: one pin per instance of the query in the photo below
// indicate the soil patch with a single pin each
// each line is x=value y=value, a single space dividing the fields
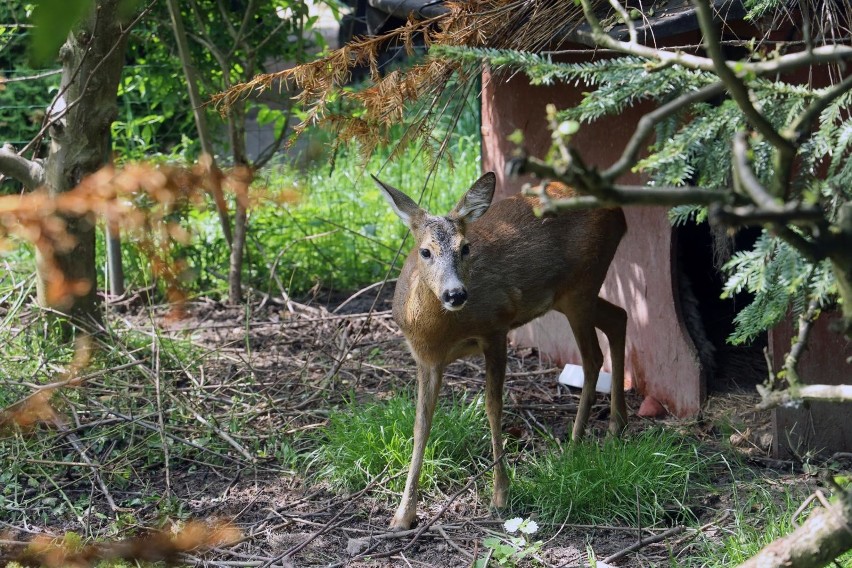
x=305 y=359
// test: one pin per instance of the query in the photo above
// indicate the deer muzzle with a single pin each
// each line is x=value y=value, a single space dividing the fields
x=454 y=299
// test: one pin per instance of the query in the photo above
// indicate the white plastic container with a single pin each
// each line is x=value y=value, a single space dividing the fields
x=572 y=375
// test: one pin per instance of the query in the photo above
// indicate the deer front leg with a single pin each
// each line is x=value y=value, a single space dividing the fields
x=495 y=374
x=428 y=387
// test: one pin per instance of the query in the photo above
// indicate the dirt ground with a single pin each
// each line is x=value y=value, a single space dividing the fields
x=310 y=355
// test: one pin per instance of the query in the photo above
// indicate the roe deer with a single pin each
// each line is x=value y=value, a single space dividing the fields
x=485 y=269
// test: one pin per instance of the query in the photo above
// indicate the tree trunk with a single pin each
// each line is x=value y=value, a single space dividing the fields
x=198 y=112
x=92 y=60
x=236 y=130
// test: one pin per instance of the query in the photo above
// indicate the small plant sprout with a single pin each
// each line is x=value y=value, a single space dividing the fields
x=514 y=549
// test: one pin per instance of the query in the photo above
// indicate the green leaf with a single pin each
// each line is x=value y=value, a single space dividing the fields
x=491 y=542
x=52 y=20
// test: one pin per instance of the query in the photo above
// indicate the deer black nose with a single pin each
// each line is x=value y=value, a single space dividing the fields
x=455 y=297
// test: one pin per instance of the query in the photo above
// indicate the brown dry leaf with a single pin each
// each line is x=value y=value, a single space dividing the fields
x=526 y=25
x=111 y=194
x=29 y=412
x=156 y=546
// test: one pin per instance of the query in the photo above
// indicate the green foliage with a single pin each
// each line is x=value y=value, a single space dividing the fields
x=362 y=441
x=52 y=20
x=605 y=481
x=22 y=102
x=780 y=279
x=757 y=8
x=339 y=234
x=154 y=119
x=512 y=550
x=226 y=46
x=691 y=148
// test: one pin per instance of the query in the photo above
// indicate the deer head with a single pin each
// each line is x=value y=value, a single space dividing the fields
x=443 y=251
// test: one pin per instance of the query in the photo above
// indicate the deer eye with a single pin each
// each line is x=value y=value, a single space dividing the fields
x=425 y=253
x=465 y=250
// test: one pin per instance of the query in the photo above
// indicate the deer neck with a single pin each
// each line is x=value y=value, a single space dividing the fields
x=419 y=313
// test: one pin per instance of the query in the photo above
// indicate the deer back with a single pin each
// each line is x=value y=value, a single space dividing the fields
x=519 y=265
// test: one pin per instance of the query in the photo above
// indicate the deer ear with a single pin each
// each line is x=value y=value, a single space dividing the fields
x=401 y=204
x=477 y=200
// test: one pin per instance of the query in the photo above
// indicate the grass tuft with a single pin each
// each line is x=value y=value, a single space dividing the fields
x=605 y=481
x=761 y=512
x=362 y=439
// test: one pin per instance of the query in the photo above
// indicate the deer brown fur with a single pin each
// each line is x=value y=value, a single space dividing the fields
x=484 y=269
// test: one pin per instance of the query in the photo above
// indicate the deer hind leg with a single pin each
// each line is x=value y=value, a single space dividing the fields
x=495 y=374
x=582 y=315
x=612 y=320
x=428 y=386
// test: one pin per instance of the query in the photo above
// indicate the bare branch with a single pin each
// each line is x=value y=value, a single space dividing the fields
x=802 y=125
x=823 y=537
x=31 y=77
x=819 y=56
x=28 y=172
x=791 y=362
x=795 y=396
x=744 y=178
x=736 y=87
x=614 y=195
x=631 y=29
x=247 y=17
x=793 y=213
x=813 y=252
x=769 y=211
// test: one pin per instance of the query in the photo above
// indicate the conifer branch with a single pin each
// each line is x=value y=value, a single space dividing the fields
x=650 y=120
x=802 y=125
x=736 y=86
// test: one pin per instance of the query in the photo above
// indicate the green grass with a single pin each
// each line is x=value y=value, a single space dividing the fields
x=605 y=481
x=340 y=234
x=760 y=516
x=136 y=417
x=761 y=513
x=361 y=440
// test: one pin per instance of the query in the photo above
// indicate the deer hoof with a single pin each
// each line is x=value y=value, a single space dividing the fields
x=400 y=524
x=617 y=427
x=498 y=501
x=499 y=497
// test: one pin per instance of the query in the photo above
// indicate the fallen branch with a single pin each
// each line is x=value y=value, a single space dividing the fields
x=824 y=537
x=643 y=542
